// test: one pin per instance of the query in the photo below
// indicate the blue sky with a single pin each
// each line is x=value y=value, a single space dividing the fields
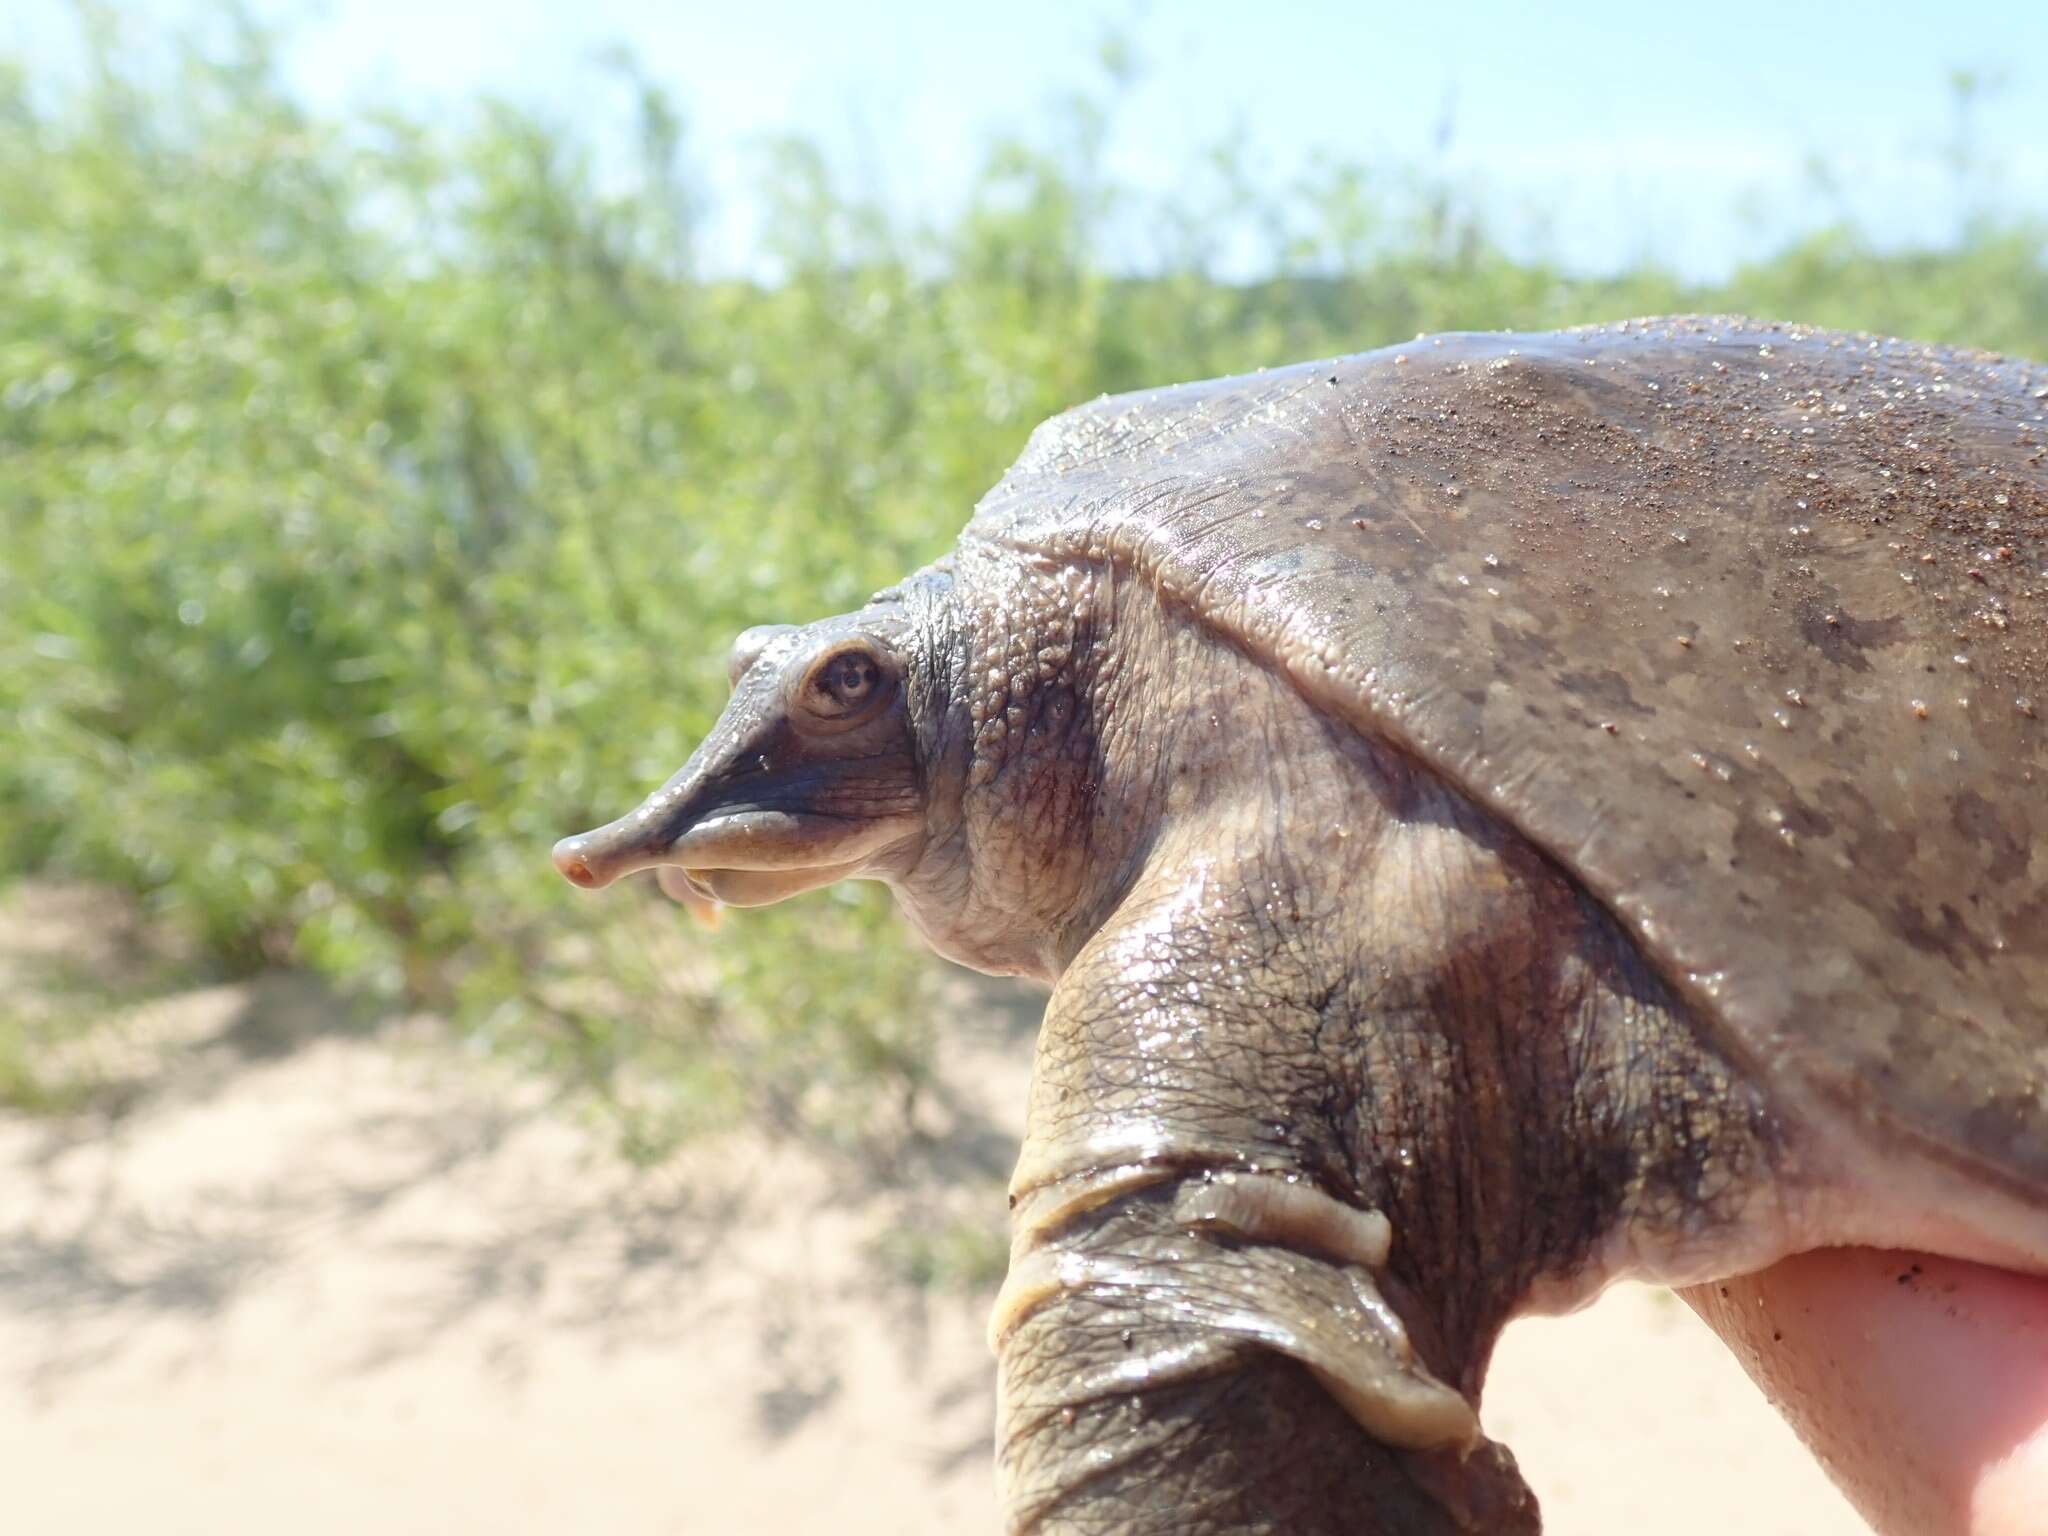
x=1598 y=132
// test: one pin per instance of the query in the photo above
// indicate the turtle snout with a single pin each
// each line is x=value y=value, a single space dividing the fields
x=574 y=865
x=582 y=863
x=634 y=842
x=644 y=837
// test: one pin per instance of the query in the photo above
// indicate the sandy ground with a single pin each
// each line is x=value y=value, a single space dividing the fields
x=328 y=1278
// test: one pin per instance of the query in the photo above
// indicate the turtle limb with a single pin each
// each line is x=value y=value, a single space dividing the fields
x=1200 y=1332
x=1226 y=1362
x=1325 y=1311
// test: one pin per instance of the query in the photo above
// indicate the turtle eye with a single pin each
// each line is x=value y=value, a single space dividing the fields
x=847 y=680
x=845 y=687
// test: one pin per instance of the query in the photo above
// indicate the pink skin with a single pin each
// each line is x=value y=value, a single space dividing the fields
x=1925 y=1398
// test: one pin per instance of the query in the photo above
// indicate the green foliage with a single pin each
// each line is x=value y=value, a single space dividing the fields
x=957 y=1254
x=379 y=499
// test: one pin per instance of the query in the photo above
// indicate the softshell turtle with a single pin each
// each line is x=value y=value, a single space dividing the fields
x=1498 y=814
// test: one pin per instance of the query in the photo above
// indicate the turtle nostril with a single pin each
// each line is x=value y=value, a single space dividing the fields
x=574 y=867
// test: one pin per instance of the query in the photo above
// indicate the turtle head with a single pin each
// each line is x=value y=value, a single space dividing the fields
x=811 y=774
x=891 y=744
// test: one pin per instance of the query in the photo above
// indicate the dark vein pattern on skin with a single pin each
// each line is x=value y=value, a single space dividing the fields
x=1345 y=971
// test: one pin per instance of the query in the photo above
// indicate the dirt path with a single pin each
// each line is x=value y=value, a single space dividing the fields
x=329 y=1280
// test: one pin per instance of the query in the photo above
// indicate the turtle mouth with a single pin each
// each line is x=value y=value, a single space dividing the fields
x=701 y=889
x=690 y=887
x=743 y=850
x=740 y=858
x=754 y=859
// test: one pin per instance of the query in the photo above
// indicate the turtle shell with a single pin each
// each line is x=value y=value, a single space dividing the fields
x=1745 y=626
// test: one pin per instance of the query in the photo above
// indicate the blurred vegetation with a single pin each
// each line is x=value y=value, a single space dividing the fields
x=380 y=493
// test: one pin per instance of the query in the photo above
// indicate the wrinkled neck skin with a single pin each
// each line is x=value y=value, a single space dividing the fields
x=1034 y=830
x=1280 y=947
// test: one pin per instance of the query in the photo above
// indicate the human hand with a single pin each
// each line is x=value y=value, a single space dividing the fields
x=1921 y=1383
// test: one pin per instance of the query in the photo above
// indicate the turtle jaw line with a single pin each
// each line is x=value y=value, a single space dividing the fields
x=699 y=888
x=682 y=884
x=761 y=842
x=754 y=858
